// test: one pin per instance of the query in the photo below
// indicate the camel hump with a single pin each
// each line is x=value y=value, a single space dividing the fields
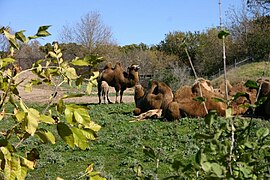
x=108 y=66
x=117 y=65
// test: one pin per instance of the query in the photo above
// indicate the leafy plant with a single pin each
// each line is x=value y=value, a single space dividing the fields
x=72 y=122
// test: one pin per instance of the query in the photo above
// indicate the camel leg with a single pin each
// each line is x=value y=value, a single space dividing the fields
x=99 y=92
x=121 y=96
x=116 y=97
x=109 y=102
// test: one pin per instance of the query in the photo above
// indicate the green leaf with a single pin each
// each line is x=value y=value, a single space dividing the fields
x=206 y=166
x=210 y=117
x=20 y=36
x=248 y=145
x=52 y=54
x=228 y=113
x=82 y=116
x=43 y=28
x=215 y=99
x=69 y=114
x=46 y=119
x=42 y=31
x=60 y=106
x=223 y=33
x=20 y=115
x=95 y=127
x=66 y=134
x=239 y=94
x=71 y=73
x=200 y=157
x=251 y=84
x=28 y=87
x=32 y=37
x=148 y=151
x=79 y=138
x=6 y=61
x=45 y=136
x=12 y=40
x=31 y=122
x=262 y=133
x=199 y=99
x=217 y=169
x=80 y=62
x=89 y=134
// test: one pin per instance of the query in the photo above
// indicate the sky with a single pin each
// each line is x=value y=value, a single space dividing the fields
x=131 y=21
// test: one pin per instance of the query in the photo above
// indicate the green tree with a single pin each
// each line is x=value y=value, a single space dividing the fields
x=72 y=122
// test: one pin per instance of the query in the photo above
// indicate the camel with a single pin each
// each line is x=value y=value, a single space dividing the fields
x=119 y=79
x=248 y=97
x=105 y=91
x=158 y=96
x=185 y=95
x=263 y=110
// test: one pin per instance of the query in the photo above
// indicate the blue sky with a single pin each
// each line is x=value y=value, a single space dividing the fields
x=131 y=21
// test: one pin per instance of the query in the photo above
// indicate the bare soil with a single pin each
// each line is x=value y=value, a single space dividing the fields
x=42 y=93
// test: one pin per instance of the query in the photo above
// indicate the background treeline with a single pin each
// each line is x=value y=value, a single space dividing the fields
x=249 y=40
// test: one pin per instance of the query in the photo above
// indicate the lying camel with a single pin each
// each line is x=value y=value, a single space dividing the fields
x=185 y=97
x=158 y=96
x=119 y=79
x=263 y=110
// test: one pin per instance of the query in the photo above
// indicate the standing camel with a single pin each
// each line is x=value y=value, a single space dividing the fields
x=119 y=79
x=105 y=91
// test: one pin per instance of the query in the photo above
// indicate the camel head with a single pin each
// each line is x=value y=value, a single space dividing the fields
x=133 y=67
x=133 y=73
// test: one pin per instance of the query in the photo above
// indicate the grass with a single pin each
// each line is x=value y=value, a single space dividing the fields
x=119 y=147
x=251 y=71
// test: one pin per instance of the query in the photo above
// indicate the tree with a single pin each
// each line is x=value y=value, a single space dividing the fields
x=90 y=32
x=72 y=121
x=250 y=27
x=259 y=6
x=28 y=54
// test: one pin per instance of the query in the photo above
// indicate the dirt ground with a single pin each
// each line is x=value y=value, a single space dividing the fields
x=42 y=93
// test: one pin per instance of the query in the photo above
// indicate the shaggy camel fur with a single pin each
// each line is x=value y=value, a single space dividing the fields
x=249 y=97
x=105 y=91
x=158 y=96
x=192 y=108
x=119 y=79
x=263 y=110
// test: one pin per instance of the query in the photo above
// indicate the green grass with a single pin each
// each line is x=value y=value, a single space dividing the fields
x=251 y=71
x=119 y=147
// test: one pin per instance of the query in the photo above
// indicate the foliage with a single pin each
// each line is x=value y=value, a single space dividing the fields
x=72 y=122
x=229 y=149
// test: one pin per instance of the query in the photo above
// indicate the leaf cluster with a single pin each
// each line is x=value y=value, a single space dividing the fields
x=72 y=122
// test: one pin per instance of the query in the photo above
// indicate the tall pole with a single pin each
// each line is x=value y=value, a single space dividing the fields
x=224 y=54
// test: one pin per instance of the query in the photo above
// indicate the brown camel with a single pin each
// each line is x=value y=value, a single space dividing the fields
x=238 y=105
x=185 y=95
x=119 y=79
x=158 y=96
x=263 y=110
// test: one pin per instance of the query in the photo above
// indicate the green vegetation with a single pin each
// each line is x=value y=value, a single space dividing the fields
x=118 y=150
x=251 y=71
